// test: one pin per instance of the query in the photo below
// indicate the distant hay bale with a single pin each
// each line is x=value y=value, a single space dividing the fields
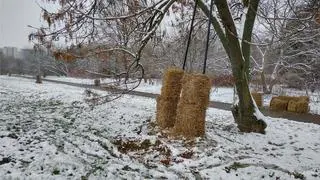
x=257 y=98
x=292 y=106
x=294 y=103
x=278 y=104
x=302 y=107
x=191 y=111
x=288 y=98
x=304 y=98
x=168 y=100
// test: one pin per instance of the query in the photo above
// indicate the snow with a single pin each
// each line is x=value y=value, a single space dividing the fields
x=48 y=131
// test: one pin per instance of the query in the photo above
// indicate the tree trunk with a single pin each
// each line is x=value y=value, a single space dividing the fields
x=38 y=79
x=272 y=83
x=245 y=112
x=264 y=83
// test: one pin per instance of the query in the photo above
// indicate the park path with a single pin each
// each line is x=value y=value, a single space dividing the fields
x=308 y=118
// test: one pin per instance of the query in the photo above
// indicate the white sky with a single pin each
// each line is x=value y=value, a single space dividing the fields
x=15 y=15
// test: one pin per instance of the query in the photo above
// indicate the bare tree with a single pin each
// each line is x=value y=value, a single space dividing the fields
x=80 y=21
x=290 y=42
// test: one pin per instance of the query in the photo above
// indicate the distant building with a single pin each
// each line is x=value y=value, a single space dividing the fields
x=10 y=52
x=27 y=54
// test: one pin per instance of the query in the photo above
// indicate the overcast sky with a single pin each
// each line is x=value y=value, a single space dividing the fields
x=15 y=15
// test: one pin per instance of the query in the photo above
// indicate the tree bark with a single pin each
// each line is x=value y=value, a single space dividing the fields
x=264 y=83
x=245 y=112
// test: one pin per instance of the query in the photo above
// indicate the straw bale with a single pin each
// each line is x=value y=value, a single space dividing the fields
x=195 y=89
x=257 y=98
x=292 y=106
x=302 y=107
x=166 y=112
x=190 y=120
x=171 y=86
x=278 y=104
x=288 y=98
x=304 y=98
x=191 y=111
x=168 y=100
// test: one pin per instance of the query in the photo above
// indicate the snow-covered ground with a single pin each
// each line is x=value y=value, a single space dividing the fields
x=48 y=131
x=220 y=94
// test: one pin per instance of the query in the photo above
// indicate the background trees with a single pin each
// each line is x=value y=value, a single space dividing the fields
x=287 y=52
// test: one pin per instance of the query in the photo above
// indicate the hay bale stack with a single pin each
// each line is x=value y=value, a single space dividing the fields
x=288 y=98
x=191 y=112
x=195 y=89
x=302 y=106
x=278 y=104
x=257 y=98
x=166 y=112
x=292 y=106
x=296 y=104
x=304 y=98
x=171 y=85
x=169 y=98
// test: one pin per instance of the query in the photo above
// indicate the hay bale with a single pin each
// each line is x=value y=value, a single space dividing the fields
x=168 y=100
x=294 y=103
x=302 y=107
x=304 y=98
x=257 y=98
x=166 y=112
x=278 y=104
x=288 y=98
x=191 y=111
x=171 y=86
x=195 y=89
x=292 y=106
x=190 y=120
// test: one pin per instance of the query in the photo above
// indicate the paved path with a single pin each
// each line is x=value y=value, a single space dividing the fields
x=308 y=118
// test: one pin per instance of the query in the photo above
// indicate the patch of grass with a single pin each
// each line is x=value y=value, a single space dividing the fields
x=55 y=171
x=297 y=175
x=235 y=166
